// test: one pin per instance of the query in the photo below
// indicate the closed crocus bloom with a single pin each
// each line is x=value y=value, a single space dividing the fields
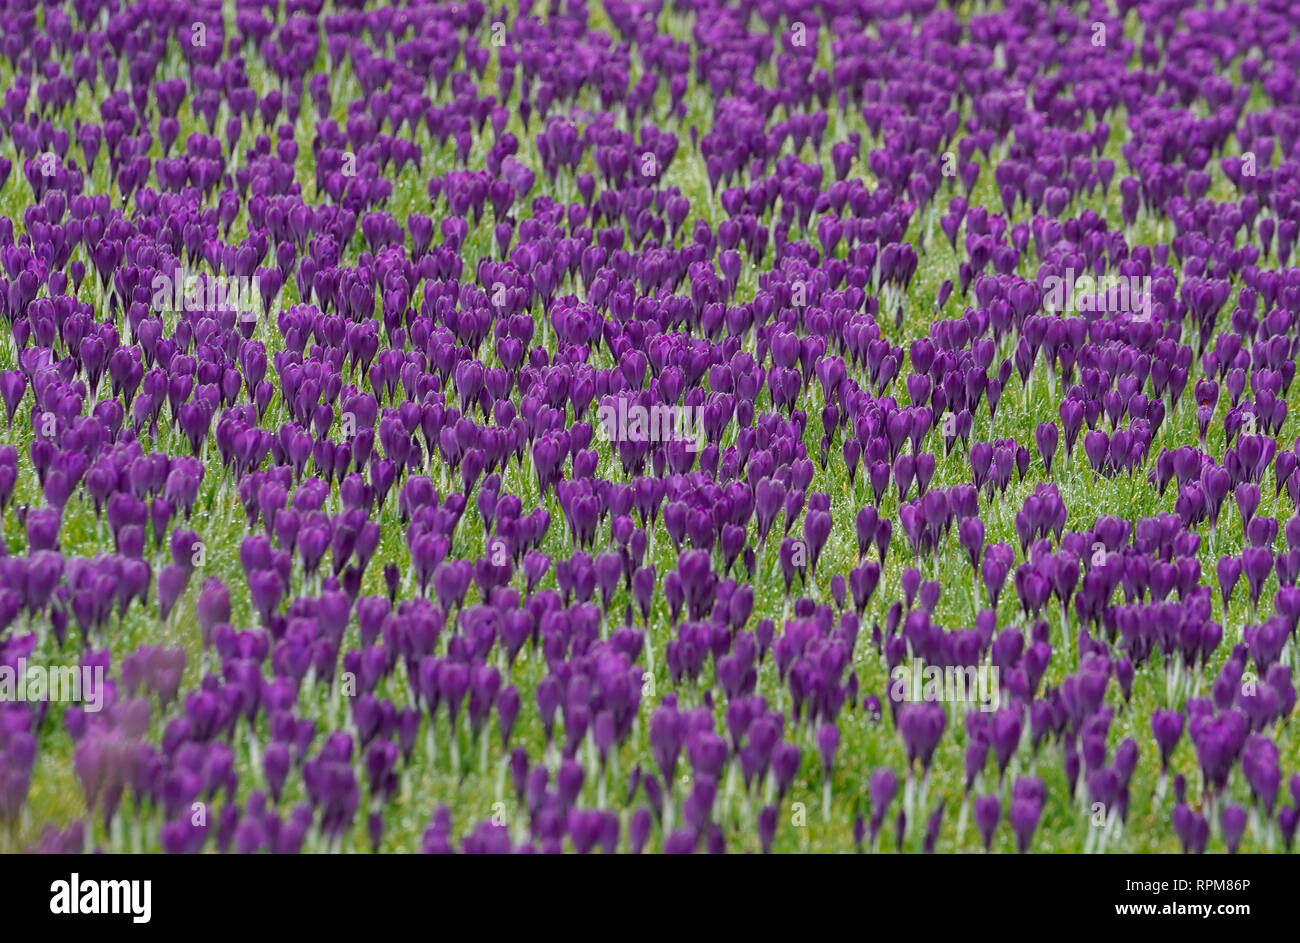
x=680 y=842
x=43 y=526
x=1007 y=727
x=932 y=829
x=213 y=606
x=1259 y=762
x=1256 y=563
x=508 y=704
x=970 y=534
x=785 y=764
x=1124 y=674
x=171 y=584
x=767 y=821
x=911 y=581
x=639 y=830
x=987 y=812
x=1167 y=726
x=708 y=753
x=817 y=528
x=1024 y=815
x=977 y=753
x=1233 y=822
x=1046 y=438
x=569 y=782
x=13 y=385
x=828 y=741
x=666 y=740
x=884 y=786
x=922 y=726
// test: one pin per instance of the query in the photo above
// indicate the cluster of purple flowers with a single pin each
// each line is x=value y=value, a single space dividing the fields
x=368 y=536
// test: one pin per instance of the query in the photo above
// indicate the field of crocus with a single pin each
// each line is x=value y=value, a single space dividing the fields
x=642 y=426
